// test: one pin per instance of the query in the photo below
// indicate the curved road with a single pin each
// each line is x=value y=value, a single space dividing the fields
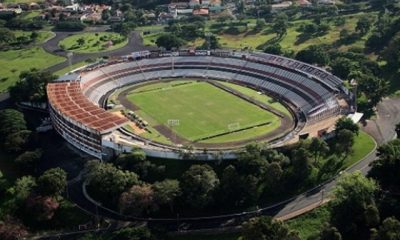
x=381 y=128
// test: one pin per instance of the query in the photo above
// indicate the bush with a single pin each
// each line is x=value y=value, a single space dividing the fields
x=70 y=26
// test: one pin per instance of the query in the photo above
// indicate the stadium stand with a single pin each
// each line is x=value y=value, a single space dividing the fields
x=77 y=109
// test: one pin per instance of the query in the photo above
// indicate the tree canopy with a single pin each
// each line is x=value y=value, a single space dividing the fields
x=31 y=86
x=198 y=185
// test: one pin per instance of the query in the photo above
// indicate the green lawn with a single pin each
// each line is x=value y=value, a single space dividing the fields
x=363 y=145
x=13 y=62
x=249 y=38
x=68 y=69
x=150 y=39
x=311 y=223
x=30 y=14
x=93 y=42
x=260 y=97
x=202 y=110
x=42 y=37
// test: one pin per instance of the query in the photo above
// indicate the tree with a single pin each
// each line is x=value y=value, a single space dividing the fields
x=29 y=159
x=11 y=229
x=330 y=233
x=11 y=121
x=352 y=196
x=318 y=148
x=105 y=15
x=389 y=230
x=6 y=36
x=39 y=208
x=15 y=142
x=130 y=233
x=80 y=41
x=342 y=67
x=34 y=35
x=3 y=183
x=198 y=185
x=166 y=192
x=23 y=187
x=273 y=49
x=31 y=86
x=300 y=164
x=348 y=124
x=397 y=129
x=363 y=25
x=169 y=41
x=313 y=54
x=392 y=53
x=260 y=24
x=386 y=169
x=137 y=200
x=373 y=87
x=266 y=228
x=129 y=160
x=108 y=182
x=52 y=182
x=280 y=25
x=344 y=142
x=211 y=43
x=136 y=161
x=238 y=190
x=70 y=26
x=371 y=215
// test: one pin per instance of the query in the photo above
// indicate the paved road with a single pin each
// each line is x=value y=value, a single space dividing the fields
x=381 y=128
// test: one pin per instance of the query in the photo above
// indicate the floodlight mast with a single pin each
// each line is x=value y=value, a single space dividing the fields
x=69 y=56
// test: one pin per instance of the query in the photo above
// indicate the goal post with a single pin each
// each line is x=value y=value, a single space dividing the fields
x=171 y=124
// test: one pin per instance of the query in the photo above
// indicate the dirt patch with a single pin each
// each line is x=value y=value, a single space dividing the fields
x=171 y=135
x=122 y=98
x=136 y=129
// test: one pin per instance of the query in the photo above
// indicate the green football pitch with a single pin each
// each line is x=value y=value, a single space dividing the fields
x=198 y=110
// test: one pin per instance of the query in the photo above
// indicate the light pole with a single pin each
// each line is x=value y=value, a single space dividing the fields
x=354 y=83
x=208 y=35
x=69 y=56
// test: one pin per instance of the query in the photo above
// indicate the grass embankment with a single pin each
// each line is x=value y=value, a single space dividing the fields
x=68 y=69
x=249 y=37
x=311 y=223
x=13 y=62
x=363 y=145
x=93 y=42
x=42 y=35
x=202 y=110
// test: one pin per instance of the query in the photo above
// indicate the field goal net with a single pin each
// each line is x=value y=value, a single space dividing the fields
x=173 y=122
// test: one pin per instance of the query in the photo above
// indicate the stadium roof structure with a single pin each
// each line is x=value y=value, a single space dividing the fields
x=66 y=97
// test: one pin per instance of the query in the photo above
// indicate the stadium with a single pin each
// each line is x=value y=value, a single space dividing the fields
x=197 y=103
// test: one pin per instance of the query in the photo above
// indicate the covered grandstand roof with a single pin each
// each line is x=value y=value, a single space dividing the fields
x=67 y=98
